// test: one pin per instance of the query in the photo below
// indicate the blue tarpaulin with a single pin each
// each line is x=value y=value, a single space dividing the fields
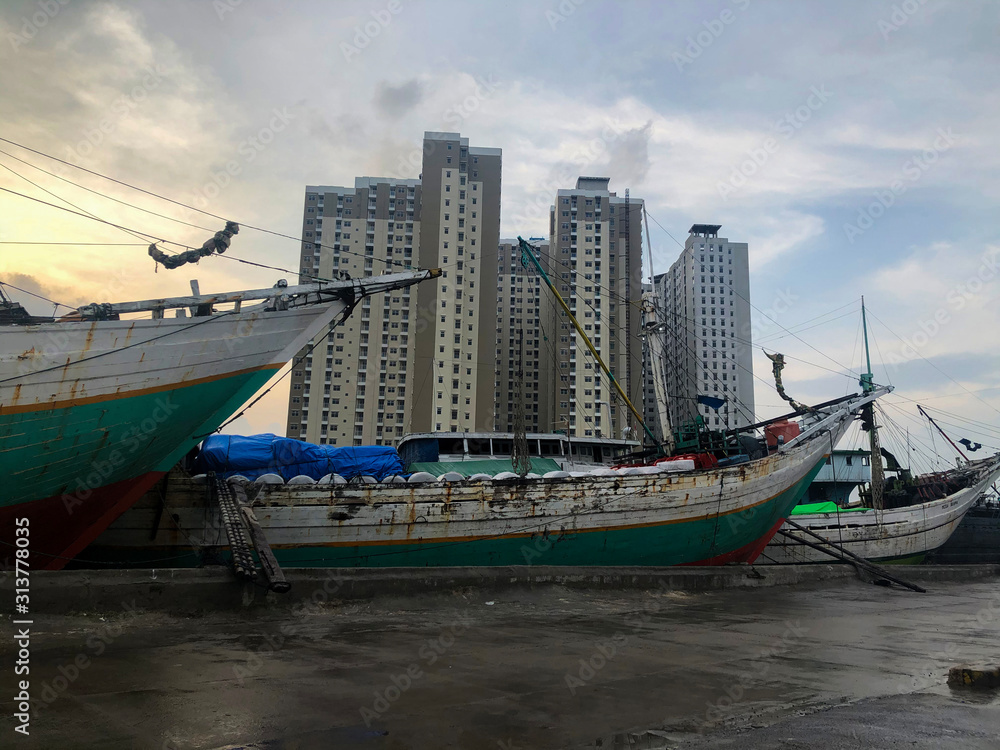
x=255 y=455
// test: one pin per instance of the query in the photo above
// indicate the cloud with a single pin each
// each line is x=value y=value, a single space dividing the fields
x=395 y=101
x=628 y=160
x=773 y=236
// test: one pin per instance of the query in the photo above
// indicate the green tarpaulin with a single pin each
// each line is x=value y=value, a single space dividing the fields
x=489 y=466
x=805 y=508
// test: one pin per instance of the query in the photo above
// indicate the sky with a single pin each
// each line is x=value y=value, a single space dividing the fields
x=853 y=145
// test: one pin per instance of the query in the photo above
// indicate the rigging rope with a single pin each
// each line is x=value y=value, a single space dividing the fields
x=777 y=365
x=217 y=244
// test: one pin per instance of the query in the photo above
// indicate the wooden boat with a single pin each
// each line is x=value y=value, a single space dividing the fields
x=976 y=540
x=633 y=516
x=896 y=523
x=95 y=408
x=895 y=535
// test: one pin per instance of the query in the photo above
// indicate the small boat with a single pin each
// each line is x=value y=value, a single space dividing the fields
x=977 y=538
x=894 y=535
x=900 y=521
x=96 y=406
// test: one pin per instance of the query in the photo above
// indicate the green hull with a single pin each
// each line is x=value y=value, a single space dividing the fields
x=80 y=448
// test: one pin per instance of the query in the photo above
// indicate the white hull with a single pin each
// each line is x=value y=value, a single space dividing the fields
x=46 y=364
x=890 y=535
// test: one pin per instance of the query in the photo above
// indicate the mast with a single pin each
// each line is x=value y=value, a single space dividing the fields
x=528 y=255
x=520 y=457
x=628 y=290
x=868 y=422
x=655 y=332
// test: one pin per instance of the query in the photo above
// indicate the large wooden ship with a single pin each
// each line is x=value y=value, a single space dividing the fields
x=95 y=407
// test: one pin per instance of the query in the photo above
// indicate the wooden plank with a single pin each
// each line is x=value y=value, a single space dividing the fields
x=360 y=287
x=275 y=576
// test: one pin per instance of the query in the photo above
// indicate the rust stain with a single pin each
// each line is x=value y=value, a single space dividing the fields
x=65 y=369
x=90 y=338
x=128 y=335
x=28 y=354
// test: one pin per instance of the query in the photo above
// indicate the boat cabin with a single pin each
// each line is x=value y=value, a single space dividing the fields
x=571 y=453
x=843 y=471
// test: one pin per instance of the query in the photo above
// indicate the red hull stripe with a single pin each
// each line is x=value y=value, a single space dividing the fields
x=60 y=529
x=745 y=554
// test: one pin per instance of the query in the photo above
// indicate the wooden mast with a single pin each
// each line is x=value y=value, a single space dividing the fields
x=868 y=422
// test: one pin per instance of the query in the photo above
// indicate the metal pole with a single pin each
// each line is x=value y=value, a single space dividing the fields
x=528 y=254
x=921 y=410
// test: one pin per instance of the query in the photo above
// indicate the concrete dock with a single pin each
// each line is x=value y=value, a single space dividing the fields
x=515 y=665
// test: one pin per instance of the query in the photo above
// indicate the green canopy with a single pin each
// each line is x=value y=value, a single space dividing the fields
x=488 y=466
x=806 y=508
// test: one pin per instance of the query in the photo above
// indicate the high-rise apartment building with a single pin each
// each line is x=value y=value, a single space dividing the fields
x=408 y=361
x=595 y=260
x=706 y=301
x=525 y=318
x=353 y=388
x=457 y=338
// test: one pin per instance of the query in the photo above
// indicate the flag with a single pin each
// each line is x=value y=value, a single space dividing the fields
x=711 y=402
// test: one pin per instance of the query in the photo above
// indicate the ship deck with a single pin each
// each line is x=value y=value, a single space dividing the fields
x=831 y=664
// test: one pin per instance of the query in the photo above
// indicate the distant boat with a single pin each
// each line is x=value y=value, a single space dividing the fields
x=899 y=521
x=903 y=534
x=95 y=408
x=976 y=540
x=650 y=515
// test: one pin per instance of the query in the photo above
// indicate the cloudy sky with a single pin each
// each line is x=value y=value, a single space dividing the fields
x=852 y=144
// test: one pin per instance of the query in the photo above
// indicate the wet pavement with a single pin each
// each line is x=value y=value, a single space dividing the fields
x=835 y=665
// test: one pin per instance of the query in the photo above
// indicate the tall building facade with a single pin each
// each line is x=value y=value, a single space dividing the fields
x=457 y=337
x=525 y=322
x=353 y=388
x=705 y=297
x=595 y=260
x=411 y=360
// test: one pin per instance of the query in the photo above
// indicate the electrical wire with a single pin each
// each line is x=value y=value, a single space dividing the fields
x=752 y=305
x=102 y=195
x=78 y=244
x=971 y=393
x=49 y=192
x=242 y=224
